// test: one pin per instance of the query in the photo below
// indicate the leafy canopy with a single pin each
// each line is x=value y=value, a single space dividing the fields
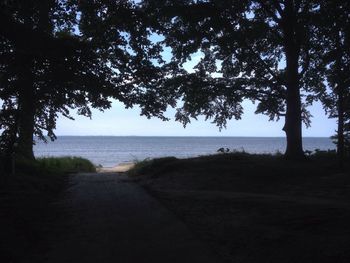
x=243 y=46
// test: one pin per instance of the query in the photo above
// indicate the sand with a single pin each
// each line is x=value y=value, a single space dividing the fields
x=120 y=168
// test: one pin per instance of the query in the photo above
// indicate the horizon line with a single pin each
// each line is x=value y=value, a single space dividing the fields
x=184 y=136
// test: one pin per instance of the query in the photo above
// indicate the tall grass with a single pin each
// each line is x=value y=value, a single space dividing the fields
x=66 y=164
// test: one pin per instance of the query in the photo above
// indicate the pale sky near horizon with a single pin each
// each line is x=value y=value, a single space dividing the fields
x=121 y=122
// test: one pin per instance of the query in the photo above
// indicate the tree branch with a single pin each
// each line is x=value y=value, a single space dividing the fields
x=306 y=63
x=279 y=81
x=278 y=7
x=269 y=11
x=36 y=41
x=297 y=5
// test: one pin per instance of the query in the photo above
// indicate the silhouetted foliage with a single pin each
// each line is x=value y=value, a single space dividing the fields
x=334 y=36
x=63 y=55
x=259 y=50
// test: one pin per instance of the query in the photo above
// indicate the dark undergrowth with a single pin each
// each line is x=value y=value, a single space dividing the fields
x=258 y=208
x=318 y=163
x=26 y=206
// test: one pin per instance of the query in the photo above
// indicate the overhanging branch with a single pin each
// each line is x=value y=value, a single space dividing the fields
x=35 y=41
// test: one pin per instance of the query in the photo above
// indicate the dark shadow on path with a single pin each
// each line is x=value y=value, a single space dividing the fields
x=112 y=220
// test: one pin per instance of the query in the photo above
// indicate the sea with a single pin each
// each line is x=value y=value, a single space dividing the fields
x=109 y=151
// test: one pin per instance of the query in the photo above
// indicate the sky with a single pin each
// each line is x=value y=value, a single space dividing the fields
x=121 y=122
x=118 y=121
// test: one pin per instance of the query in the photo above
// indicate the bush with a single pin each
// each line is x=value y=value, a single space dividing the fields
x=323 y=154
x=148 y=166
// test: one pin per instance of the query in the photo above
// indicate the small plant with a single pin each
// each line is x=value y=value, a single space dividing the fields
x=308 y=152
x=240 y=150
x=139 y=166
x=223 y=150
x=278 y=153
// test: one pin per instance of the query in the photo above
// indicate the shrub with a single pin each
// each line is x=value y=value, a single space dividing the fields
x=148 y=166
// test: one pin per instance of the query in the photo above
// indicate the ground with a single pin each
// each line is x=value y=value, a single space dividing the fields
x=100 y=217
x=257 y=208
x=27 y=214
x=222 y=208
x=109 y=219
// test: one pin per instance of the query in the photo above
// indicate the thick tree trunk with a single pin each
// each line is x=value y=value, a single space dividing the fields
x=26 y=126
x=293 y=121
x=26 y=107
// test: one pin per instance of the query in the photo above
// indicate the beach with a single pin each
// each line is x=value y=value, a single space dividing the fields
x=120 y=168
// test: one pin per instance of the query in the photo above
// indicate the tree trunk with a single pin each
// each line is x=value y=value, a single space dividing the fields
x=26 y=108
x=340 y=97
x=340 y=131
x=293 y=122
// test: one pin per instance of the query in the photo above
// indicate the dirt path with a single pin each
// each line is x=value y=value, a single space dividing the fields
x=109 y=219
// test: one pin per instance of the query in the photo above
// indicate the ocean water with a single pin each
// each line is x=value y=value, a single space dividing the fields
x=109 y=151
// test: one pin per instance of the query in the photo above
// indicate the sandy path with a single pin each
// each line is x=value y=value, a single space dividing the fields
x=112 y=220
x=120 y=168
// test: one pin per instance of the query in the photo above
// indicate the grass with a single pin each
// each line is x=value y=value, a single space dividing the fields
x=26 y=209
x=66 y=164
x=258 y=208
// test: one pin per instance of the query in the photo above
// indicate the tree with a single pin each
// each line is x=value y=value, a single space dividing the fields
x=61 y=55
x=258 y=50
x=33 y=46
x=334 y=36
